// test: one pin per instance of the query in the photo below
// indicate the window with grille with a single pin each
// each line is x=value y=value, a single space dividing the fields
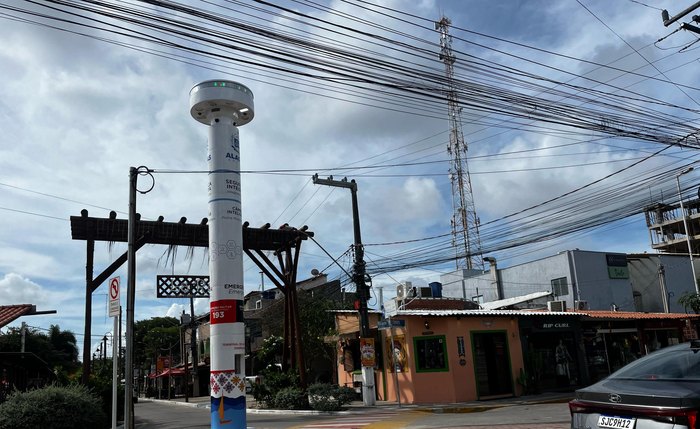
x=431 y=353
x=560 y=287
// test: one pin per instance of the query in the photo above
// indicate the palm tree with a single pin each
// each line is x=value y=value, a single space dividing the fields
x=64 y=346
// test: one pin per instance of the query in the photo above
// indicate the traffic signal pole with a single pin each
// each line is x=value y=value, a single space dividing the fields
x=358 y=277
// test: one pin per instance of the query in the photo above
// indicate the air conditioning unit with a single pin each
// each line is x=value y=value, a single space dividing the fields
x=403 y=290
x=581 y=305
x=556 y=305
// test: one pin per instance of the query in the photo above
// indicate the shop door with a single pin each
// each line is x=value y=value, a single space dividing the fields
x=492 y=365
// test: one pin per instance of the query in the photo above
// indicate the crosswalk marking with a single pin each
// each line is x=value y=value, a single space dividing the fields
x=349 y=422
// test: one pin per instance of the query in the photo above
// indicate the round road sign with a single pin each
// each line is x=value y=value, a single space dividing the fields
x=114 y=288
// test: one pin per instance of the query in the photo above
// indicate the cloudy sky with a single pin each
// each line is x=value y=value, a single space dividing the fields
x=597 y=101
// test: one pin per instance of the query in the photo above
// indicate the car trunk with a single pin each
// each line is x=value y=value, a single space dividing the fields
x=651 y=393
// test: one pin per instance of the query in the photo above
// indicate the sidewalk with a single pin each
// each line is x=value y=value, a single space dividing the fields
x=358 y=407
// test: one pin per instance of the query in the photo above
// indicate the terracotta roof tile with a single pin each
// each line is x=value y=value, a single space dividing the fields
x=8 y=313
x=600 y=314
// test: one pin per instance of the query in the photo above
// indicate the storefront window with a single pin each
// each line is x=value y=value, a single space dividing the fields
x=431 y=353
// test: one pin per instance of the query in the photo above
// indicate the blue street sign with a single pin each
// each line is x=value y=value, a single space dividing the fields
x=384 y=324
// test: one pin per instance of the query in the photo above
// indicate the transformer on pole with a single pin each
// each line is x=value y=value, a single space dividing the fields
x=465 y=223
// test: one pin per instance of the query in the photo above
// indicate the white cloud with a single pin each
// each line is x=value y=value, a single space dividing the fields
x=76 y=113
x=175 y=310
x=17 y=289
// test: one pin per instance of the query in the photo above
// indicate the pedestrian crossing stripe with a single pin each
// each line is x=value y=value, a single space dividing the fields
x=350 y=422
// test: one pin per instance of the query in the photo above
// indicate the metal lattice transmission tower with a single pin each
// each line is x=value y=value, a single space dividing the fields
x=465 y=223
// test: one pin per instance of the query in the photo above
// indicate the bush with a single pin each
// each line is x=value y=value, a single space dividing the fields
x=273 y=381
x=329 y=397
x=53 y=407
x=101 y=388
x=289 y=398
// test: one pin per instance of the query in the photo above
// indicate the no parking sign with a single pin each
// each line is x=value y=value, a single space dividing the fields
x=114 y=302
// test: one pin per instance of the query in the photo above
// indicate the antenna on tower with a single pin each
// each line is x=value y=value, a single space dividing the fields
x=465 y=223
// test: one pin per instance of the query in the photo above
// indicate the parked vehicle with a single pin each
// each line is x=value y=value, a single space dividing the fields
x=658 y=391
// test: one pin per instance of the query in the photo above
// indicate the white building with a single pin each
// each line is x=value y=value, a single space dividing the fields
x=582 y=279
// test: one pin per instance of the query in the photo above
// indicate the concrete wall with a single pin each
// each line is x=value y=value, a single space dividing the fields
x=644 y=273
x=452 y=283
x=586 y=275
x=535 y=276
x=596 y=286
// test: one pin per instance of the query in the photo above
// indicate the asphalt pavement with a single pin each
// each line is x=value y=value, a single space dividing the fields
x=544 y=411
x=359 y=407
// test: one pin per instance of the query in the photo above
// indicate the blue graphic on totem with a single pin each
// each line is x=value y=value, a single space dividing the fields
x=228 y=413
x=235 y=144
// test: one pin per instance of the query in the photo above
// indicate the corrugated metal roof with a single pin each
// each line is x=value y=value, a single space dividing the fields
x=8 y=313
x=595 y=314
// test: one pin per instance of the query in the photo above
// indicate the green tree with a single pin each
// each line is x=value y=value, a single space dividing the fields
x=57 y=348
x=64 y=345
x=152 y=336
x=270 y=350
x=690 y=300
x=316 y=322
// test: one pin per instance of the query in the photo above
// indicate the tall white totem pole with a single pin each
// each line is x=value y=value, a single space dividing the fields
x=224 y=106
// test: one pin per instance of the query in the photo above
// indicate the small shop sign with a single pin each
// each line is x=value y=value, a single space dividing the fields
x=367 y=352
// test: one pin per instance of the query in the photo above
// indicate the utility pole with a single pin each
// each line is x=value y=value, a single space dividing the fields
x=391 y=338
x=130 y=301
x=104 y=347
x=668 y=20
x=183 y=353
x=465 y=223
x=664 y=291
x=359 y=276
x=23 y=331
x=193 y=345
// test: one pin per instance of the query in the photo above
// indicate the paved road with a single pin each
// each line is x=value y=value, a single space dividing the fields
x=151 y=415
x=159 y=415
x=538 y=416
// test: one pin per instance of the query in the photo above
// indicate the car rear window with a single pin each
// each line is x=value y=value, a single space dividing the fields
x=672 y=363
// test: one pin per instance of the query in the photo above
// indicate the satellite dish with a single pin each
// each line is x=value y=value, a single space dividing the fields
x=315 y=272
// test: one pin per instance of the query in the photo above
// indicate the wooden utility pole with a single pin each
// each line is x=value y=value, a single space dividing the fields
x=358 y=276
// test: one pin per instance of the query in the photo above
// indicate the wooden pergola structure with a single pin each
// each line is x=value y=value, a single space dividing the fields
x=285 y=243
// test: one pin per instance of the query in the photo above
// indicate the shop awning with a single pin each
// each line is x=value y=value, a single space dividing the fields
x=171 y=371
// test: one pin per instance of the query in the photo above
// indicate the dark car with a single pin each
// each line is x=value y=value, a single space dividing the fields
x=659 y=391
